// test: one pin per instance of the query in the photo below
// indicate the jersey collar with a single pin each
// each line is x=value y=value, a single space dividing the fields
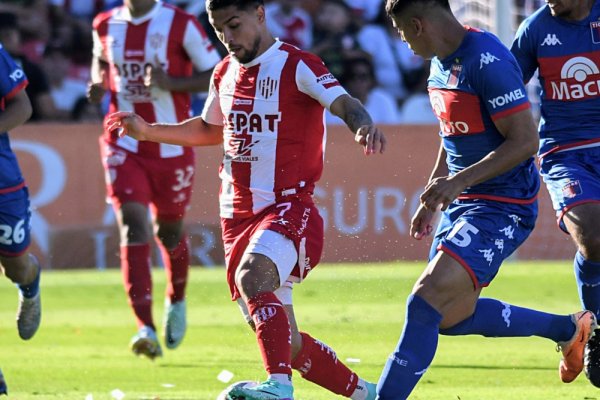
x=125 y=15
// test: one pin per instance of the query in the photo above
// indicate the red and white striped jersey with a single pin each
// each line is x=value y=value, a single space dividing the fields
x=165 y=35
x=272 y=113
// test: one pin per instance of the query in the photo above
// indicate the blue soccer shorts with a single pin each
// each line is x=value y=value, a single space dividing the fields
x=572 y=178
x=15 y=223
x=481 y=234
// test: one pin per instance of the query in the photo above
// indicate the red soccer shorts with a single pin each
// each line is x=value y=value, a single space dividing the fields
x=165 y=184
x=295 y=217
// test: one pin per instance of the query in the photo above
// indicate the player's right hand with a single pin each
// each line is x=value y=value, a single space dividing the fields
x=127 y=123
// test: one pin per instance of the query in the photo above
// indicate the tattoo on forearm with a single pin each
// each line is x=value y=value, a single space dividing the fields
x=357 y=116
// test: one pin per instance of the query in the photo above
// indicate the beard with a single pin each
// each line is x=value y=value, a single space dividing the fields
x=251 y=54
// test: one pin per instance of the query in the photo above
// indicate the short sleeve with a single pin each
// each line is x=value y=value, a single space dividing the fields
x=212 y=113
x=198 y=46
x=497 y=80
x=97 y=49
x=314 y=79
x=12 y=77
x=524 y=52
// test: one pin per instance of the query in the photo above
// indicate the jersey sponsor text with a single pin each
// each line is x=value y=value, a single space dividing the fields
x=243 y=122
x=510 y=97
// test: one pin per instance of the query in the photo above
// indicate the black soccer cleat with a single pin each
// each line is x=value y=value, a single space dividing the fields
x=592 y=359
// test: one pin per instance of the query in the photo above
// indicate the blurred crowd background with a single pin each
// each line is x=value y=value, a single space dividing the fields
x=52 y=41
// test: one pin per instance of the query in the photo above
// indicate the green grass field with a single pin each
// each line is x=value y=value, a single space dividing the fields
x=81 y=350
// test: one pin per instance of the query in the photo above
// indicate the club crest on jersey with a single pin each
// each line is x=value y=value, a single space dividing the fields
x=595 y=28
x=156 y=40
x=572 y=189
x=267 y=87
x=453 y=78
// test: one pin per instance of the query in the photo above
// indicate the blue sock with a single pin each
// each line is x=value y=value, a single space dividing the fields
x=30 y=290
x=587 y=275
x=493 y=318
x=414 y=352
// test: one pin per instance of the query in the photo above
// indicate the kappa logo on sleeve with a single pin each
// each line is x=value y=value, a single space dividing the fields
x=487 y=58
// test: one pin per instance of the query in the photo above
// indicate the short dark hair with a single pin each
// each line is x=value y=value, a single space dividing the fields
x=352 y=61
x=8 y=21
x=396 y=7
x=212 y=5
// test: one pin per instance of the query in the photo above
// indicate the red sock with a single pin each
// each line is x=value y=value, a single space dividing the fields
x=135 y=268
x=319 y=364
x=272 y=332
x=177 y=265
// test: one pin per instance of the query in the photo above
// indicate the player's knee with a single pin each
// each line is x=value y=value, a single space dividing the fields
x=18 y=269
x=169 y=235
x=589 y=246
x=256 y=275
x=246 y=282
x=134 y=234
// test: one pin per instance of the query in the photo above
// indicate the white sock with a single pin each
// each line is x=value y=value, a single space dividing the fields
x=361 y=392
x=284 y=379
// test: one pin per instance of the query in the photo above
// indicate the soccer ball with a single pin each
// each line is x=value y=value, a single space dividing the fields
x=241 y=384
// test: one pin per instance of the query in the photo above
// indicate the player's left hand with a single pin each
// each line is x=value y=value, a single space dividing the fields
x=440 y=192
x=372 y=138
x=157 y=76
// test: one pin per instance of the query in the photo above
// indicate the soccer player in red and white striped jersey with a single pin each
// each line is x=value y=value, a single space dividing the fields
x=266 y=107
x=149 y=56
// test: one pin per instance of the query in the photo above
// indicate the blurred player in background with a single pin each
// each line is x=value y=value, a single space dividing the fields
x=485 y=182
x=562 y=42
x=149 y=56
x=18 y=264
x=266 y=106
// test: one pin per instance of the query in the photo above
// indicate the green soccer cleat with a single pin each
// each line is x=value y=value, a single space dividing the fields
x=145 y=343
x=268 y=390
x=175 y=323
x=372 y=389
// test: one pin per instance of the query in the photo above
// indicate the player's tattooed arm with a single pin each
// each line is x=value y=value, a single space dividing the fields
x=358 y=120
x=351 y=112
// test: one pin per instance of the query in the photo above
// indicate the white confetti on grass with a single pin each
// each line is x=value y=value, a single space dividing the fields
x=353 y=360
x=168 y=385
x=225 y=376
x=117 y=394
